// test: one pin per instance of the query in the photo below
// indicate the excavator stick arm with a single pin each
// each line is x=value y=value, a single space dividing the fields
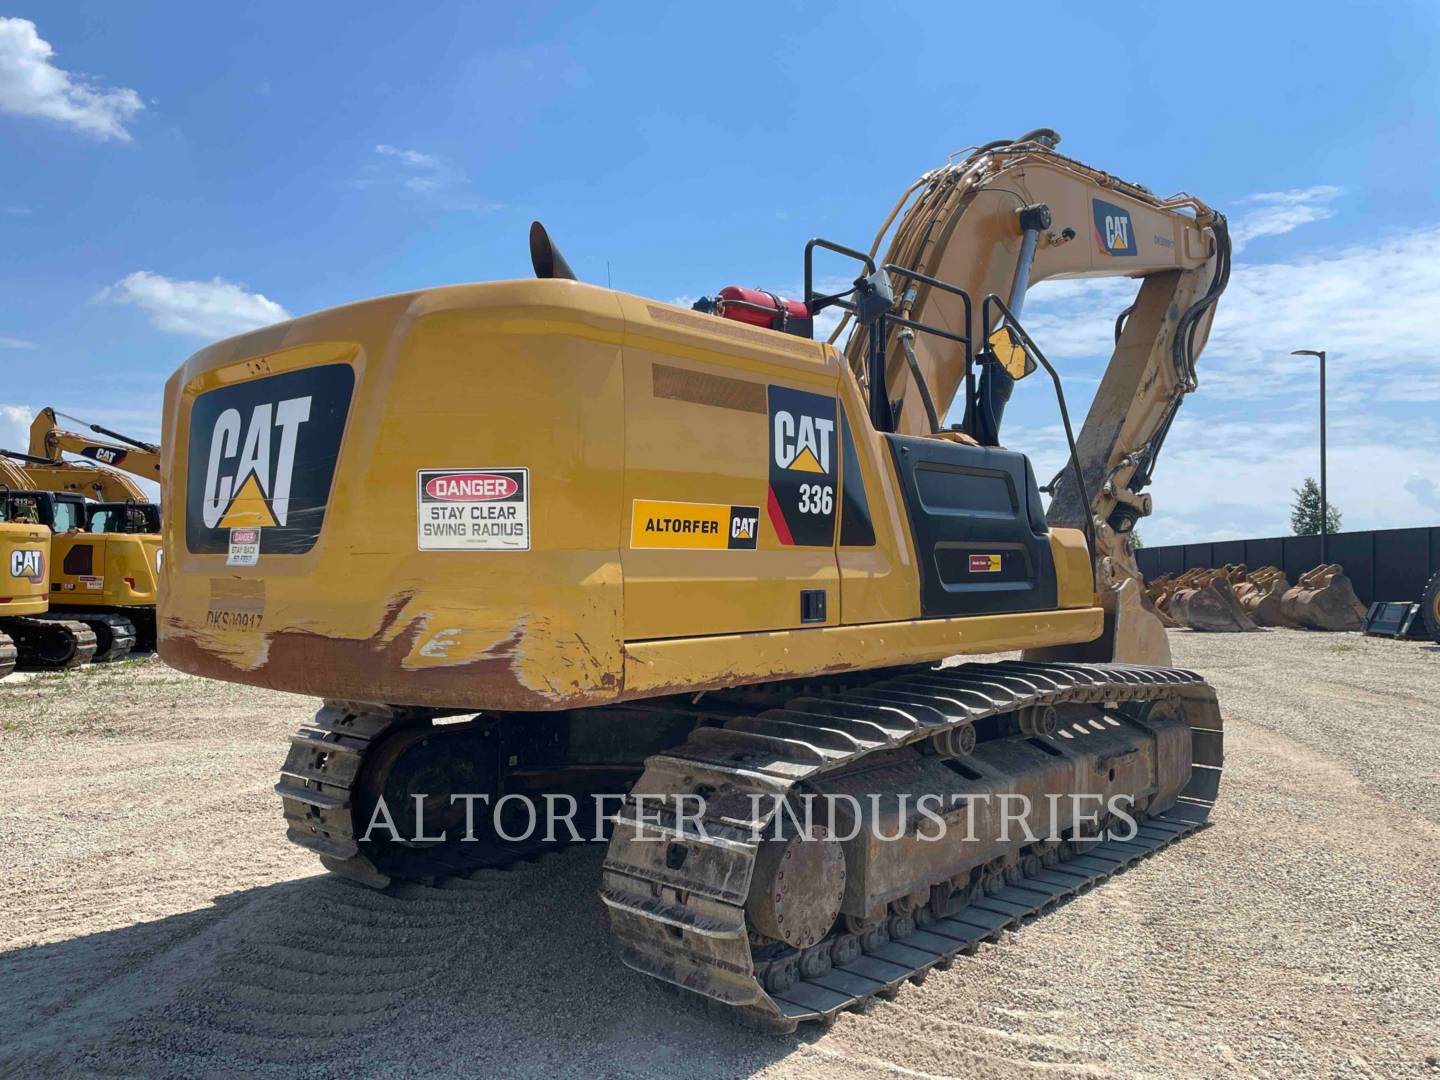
x=49 y=440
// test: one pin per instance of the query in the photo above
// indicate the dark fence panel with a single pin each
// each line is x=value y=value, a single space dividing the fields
x=1269 y=552
x=1383 y=564
x=1227 y=551
x=1356 y=552
x=1198 y=555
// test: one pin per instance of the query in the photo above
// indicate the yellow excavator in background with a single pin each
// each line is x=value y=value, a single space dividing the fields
x=49 y=440
x=105 y=554
x=29 y=637
x=699 y=557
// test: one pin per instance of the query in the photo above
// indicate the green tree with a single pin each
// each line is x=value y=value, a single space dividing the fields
x=1305 y=512
x=1135 y=540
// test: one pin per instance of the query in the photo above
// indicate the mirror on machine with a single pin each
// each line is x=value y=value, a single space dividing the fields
x=1012 y=356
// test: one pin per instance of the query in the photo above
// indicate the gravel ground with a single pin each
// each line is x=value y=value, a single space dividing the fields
x=154 y=921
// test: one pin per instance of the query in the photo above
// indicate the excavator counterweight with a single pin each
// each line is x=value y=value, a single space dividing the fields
x=542 y=540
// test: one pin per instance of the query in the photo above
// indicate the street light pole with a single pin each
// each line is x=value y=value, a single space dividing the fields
x=1324 y=501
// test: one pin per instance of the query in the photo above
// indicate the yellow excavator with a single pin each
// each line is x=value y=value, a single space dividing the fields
x=51 y=442
x=30 y=637
x=541 y=540
x=105 y=552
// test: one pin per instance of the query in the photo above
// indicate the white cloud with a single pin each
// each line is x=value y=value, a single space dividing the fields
x=30 y=85
x=410 y=157
x=15 y=426
x=16 y=343
x=1075 y=318
x=1250 y=434
x=1426 y=491
x=1371 y=303
x=426 y=176
x=209 y=309
x=1274 y=213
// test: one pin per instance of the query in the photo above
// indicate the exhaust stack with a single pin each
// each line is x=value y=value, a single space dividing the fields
x=545 y=257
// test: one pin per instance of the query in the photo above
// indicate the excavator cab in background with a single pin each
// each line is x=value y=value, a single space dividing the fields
x=130 y=518
x=699 y=553
x=30 y=636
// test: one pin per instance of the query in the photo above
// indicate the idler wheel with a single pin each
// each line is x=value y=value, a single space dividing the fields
x=796 y=888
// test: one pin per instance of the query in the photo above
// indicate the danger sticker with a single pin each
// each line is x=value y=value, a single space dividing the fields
x=984 y=564
x=244 y=547
x=473 y=509
x=684 y=526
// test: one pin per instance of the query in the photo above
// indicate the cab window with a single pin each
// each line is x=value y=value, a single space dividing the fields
x=67 y=516
x=20 y=510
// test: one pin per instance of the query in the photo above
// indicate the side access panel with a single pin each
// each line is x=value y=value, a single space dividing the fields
x=980 y=534
x=731 y=477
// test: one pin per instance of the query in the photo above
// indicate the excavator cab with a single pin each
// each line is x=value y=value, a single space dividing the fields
x=31 y=636
x=127 y=517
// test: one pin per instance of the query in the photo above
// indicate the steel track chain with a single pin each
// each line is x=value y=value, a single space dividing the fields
x=682 y=920
x=117 y=630
x=772 y=752
x=28 y=630
x=321 y=790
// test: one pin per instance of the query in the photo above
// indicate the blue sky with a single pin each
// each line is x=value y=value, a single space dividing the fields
x=174 y=173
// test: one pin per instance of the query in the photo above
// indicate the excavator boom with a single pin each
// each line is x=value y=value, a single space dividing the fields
x=99 y=482
x=1011 y=215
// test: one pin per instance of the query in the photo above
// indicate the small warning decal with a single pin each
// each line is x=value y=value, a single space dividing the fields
x=473 y=509
x=984 y=564
x=685 y=526
x=244 y=547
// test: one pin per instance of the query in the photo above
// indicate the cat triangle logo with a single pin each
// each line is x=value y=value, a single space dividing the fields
x=248 y=509
x=805 y=462
x=742 y=532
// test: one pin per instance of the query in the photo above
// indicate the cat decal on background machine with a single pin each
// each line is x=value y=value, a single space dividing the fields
x=698 y=553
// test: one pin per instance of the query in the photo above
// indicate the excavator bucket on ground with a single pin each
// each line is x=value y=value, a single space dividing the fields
x=1160 y=592
x=1259 y=594
x=1210 y=605
x=1323 y=599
